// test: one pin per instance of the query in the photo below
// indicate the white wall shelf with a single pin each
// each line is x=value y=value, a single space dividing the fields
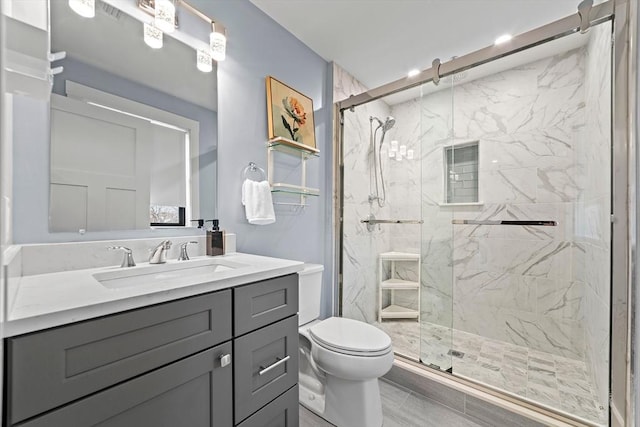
x=292 y=148
x=391 y=282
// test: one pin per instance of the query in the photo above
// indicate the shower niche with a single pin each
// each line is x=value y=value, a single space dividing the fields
x=461 y=180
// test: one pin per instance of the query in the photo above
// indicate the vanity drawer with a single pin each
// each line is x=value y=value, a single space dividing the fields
x=53 y=367
x=260 y=304
x=192 y=392
x=282 y=412
x=265 y=365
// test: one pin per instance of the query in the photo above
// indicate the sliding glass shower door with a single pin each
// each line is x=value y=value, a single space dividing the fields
x=524 y=181
x=384 y=271
x=476 y=222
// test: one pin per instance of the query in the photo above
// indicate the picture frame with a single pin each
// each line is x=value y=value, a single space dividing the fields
x=290 y=115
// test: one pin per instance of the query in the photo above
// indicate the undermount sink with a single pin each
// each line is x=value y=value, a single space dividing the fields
x=152 y=273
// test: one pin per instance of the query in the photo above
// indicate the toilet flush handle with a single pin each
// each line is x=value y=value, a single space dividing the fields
x=278 y=362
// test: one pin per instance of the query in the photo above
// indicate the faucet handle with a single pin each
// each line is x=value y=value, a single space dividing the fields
x=184 y=256
x=127 y=261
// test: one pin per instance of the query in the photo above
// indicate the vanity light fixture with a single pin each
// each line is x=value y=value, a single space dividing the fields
x=166 y=21
x=203 y=61
x=84 y=8
x=165 y=15
x=152 y=36
x=218 y=42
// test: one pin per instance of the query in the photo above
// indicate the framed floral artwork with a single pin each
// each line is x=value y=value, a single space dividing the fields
x=290 y=114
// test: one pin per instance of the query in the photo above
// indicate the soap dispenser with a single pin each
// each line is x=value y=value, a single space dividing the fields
x=215 y=239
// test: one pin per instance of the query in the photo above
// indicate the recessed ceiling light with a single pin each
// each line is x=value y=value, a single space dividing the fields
x=413 y=72
x=503 y=39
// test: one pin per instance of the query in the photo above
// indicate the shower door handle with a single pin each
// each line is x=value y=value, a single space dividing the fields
x=391 y=221
x=542 y=223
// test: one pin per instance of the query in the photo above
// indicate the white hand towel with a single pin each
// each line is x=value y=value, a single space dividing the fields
x=258 y=205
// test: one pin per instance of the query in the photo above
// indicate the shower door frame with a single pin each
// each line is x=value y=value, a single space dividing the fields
x=623 y=361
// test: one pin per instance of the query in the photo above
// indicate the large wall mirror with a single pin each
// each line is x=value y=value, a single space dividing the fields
x=133 y=128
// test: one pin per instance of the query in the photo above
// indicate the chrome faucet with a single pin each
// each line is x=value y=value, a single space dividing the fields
x=127 y=261
x=158 y=255
x=184 y=256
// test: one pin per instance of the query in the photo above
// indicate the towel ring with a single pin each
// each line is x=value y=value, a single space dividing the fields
x=253 y=168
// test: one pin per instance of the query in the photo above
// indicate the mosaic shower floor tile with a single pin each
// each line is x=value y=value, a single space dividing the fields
x=553 y=381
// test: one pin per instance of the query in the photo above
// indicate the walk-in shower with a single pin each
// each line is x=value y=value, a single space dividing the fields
x=493 y=261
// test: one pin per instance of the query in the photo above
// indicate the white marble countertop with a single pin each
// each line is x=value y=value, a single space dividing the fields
x=47 y=300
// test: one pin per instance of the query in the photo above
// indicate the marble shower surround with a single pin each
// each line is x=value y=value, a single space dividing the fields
x=360 y=247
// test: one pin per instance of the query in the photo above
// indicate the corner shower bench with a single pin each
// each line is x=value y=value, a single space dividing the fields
x=391 y=282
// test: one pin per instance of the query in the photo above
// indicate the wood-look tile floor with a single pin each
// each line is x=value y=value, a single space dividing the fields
x=402 y=408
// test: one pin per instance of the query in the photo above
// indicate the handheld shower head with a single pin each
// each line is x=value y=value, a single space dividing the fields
x=388 y=123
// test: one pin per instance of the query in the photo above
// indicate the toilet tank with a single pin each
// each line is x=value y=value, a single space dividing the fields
x=309 y=293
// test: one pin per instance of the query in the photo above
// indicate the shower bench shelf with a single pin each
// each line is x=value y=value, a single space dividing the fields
x=391 y=282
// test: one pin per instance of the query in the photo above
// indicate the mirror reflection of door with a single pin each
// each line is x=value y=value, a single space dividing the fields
x=100 y=168
x=112 y=169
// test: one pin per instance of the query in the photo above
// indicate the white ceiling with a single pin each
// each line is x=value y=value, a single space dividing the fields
x=379 y=41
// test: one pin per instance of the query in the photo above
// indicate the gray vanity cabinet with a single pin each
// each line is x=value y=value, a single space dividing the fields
x=215 y=360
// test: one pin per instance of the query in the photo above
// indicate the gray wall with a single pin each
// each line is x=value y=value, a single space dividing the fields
x=258 y=47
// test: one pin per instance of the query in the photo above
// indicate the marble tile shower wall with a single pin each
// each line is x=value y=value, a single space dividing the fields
x=360 y=247
x=593 y=238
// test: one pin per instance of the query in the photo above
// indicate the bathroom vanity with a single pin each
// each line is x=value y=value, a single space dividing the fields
x=226 y=355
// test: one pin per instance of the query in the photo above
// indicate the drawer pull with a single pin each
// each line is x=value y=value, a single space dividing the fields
x=278 y=362
x=225 y=360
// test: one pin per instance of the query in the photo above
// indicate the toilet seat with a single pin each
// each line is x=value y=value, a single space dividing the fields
x=352 y=337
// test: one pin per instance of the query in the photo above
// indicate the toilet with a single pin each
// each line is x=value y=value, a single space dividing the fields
x=340 y=360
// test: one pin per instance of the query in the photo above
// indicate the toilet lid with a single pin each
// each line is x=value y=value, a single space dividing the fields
x=350 y=336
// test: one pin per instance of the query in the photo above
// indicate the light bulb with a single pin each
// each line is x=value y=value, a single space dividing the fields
x=503 y=39
x=218 y=44
x=152 y=36
x=84 y=8
x=203 y=61
x=165 y=15
x=394 y=145
x=410 y=154
x=392 y=153
x=403 y=149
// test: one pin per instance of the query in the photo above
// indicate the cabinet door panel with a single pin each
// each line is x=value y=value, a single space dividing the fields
x=194 y=392
x=254 y=354
x=260 y=304
x=282 y=412
x=50 y=368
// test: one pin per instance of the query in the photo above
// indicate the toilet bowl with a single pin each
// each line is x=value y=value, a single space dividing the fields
x=340 y=361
